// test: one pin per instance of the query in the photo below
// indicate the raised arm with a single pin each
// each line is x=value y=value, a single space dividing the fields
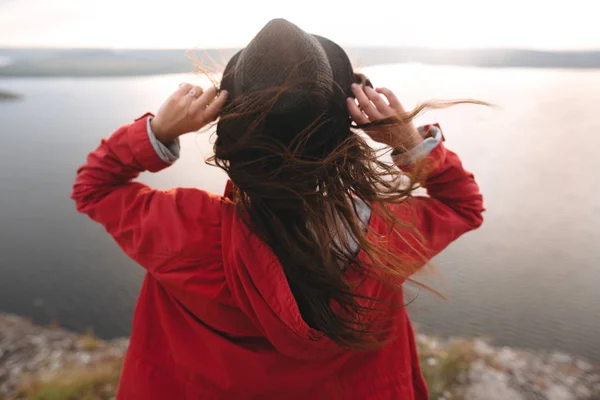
x=151 y=226
x=453 y=204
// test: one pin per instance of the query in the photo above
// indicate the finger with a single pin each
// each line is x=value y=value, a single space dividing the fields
x=382 y=106
x=194 y=93
x=391 y=98
x=212 y=111
x=198 y=106
x=184 y=88
x=355 y=113
x=364 y=103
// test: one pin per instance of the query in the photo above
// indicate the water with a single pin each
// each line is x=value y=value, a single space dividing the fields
x=528 y=277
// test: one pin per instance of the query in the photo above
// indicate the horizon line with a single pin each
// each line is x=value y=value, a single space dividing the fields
x=493 y=48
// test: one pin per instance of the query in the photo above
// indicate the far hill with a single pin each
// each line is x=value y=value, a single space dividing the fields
x=8 y=96
x=102 y=62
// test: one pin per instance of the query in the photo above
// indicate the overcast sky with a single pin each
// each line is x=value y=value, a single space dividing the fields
x=550 y=24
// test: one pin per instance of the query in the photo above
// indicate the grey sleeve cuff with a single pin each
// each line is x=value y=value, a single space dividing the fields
x=421 y=150
x=168 y=154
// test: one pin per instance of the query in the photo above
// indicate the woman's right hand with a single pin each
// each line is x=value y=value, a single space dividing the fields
x=377 y=104
x=187 y=110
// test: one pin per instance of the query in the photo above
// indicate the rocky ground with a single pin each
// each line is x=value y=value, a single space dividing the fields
x=51 y=363
x=474 y=369
x=30 y=354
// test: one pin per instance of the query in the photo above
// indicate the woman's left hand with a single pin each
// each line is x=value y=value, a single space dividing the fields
x=378 y=104
x=187 y=110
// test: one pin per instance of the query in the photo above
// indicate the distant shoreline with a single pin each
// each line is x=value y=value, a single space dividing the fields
x=123 y=63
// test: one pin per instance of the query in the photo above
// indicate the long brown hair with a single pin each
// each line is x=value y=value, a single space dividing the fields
x=298 y=174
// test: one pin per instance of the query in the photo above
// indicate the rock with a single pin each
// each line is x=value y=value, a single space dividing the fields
x=583 y=365
x=482 y=347
x=562 y=358
x=508 y=358
x=489 y=384
x=559 y=392
x=85 y=358
x=432 y=361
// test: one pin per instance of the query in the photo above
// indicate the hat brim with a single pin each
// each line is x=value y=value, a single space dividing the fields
x=343 y=71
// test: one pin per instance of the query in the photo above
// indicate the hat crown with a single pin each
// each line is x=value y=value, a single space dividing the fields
x=282 y=55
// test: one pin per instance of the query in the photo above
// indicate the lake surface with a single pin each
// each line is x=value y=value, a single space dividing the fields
x=529 y=277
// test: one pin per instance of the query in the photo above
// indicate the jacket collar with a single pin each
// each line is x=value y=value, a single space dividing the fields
x=229 y=190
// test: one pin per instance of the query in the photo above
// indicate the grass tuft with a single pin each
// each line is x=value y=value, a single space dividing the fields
x=446 y=372
x=99 y=382
x=89 y=342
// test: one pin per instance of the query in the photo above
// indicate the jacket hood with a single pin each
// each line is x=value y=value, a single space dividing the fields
x=260 y=288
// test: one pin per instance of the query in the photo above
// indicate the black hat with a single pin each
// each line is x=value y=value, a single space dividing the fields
x=315 y=71
x=282 y=53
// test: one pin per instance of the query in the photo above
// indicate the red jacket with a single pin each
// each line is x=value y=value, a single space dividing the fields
x=215 y=318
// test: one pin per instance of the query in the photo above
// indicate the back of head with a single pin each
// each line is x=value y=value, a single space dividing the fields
x=285 y=140
x=286 y=105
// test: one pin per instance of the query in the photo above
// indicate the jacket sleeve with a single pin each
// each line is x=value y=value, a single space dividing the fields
x=453 y=204
x=151 y=226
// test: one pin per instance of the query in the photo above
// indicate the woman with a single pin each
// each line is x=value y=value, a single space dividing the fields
x=289 y=285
